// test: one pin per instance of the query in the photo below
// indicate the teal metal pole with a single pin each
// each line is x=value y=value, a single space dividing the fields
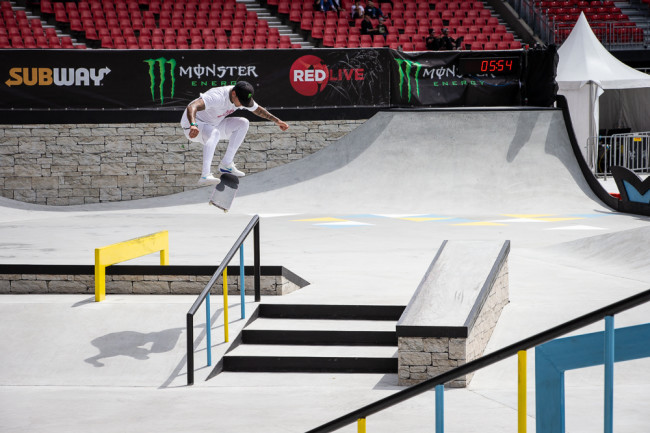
x=242 y=285
x=208 y=328
x=440 y=409
x=609 y=374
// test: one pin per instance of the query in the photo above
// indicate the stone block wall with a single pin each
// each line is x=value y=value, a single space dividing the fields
x=421 y=358
x=271 y=285
x=481 y=331
x=90 y=163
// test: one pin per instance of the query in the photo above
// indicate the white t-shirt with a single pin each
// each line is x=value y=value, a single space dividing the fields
x=218 y=105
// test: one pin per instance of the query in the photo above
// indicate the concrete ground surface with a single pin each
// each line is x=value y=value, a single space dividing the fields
x=360 y=220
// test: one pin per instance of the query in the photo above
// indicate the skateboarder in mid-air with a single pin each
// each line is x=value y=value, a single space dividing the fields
x=205 y=121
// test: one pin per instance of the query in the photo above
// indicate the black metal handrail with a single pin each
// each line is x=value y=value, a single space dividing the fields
x=484 y=361
x=254 y=225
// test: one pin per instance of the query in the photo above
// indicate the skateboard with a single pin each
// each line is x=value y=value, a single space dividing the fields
x=224 y=192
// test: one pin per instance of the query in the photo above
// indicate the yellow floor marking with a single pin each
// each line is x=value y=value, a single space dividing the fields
x=322 y=219
x=419 y=219
x=534 y=216
x=559 y=219
x=480 y=223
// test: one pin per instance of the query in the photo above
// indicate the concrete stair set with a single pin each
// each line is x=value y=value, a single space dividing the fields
x=318 y=338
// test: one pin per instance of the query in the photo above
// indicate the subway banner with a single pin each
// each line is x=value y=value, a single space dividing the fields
x=456 y=78
x=144 y=79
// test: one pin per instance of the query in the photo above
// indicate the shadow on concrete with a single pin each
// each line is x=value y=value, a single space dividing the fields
x=197 y=340
x=133 y=344
x=84 y=302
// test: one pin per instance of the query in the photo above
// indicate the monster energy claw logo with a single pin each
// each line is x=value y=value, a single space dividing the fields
x=161 y=62
x=405 y=67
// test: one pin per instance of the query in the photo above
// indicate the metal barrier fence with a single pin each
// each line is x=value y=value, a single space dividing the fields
x=554 y=30
x=631 y=151
x=612 y=34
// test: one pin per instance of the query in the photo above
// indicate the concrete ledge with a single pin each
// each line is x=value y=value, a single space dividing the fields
x=454 y=310
x=142 y=280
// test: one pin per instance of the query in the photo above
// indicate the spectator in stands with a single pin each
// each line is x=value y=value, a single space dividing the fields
x=372 y=10
x=356 y=10
x=432 y=41
x=381 y=28
x=368 y=29
x=205 y=121
x=366 y=26
x=327 y=5
x=446 y=41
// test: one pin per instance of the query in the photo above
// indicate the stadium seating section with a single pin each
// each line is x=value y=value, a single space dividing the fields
x=19 y=31
x=606 y=20
x=227 y=24
x=408 y=23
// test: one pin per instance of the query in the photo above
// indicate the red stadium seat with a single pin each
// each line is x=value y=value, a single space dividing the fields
x=284 y=7
x=196 y=43
x=131 y=43
x=328 y=41
x=353 y=41
x=420 y=46
x=119 y=44
x=60 y=15
x=28 y=42
x=46 y=7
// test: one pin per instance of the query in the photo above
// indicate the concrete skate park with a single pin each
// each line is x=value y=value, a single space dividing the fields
x=361 y=221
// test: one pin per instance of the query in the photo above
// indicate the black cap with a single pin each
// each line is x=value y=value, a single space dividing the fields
x=244 y=91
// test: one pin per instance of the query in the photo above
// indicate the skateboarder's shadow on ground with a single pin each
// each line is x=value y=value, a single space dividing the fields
x=134 y=344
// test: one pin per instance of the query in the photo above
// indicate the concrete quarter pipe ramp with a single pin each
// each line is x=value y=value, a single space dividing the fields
x=503 y=161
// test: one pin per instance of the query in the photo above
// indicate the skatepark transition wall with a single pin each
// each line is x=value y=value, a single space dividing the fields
x=70 y=164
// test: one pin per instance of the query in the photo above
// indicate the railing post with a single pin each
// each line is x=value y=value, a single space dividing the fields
x=440 y=408
x=242 y=283
x=208 y=329
x=361 y=425
x=190 y=349
x=225 y=304
x=609 y=374
x=256 y=262
x=521 y=401
x=100 y=279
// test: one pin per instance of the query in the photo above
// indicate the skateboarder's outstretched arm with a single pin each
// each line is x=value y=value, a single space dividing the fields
x=192 y=108
x=261 y=112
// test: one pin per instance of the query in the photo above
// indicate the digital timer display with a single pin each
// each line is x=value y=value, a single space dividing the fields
x=489 y=65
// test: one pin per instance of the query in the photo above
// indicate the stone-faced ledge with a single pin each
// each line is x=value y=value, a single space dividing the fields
x=142 y=280
x=452 y=314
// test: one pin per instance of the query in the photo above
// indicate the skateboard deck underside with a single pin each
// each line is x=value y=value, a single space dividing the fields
x=224 y=193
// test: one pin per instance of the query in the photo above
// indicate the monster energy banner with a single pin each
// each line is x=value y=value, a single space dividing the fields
x=457 y=79
x=139 y=79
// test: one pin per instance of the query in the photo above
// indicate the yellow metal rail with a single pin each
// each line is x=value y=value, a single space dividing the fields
x=225 y=304
x=127 y=250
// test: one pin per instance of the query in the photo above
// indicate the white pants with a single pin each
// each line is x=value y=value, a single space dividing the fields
x=234 y=128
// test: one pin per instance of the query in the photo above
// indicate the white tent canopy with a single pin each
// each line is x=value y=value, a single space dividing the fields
x=585 y=70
